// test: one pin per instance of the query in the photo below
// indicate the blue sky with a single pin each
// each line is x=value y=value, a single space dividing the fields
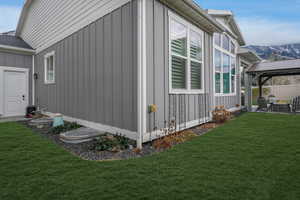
x=262 y=22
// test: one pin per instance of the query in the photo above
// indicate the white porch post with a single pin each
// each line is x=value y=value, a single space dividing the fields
x=248 y=92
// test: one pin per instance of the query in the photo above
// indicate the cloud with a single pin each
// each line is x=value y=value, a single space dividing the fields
x=262 y=31
x=9 y=17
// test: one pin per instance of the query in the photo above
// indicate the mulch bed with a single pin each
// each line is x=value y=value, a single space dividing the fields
x=84 y=151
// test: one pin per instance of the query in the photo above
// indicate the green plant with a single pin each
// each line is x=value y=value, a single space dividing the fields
x=124 y=142
x=108 y=142
x=66 y=127
x=104 y=143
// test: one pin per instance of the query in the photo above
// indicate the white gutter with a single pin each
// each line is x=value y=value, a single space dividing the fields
x=12 y=48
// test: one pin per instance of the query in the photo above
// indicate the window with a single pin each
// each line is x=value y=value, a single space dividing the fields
x=186 y=57
x=218 y=70
x=225 y=65
x=232 y=48
x=226 y=42
x=233 y=75
x=226 y=74
x=49 y=68
x=218 y=39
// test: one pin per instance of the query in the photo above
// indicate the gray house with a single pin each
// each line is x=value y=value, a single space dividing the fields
x=126 y=66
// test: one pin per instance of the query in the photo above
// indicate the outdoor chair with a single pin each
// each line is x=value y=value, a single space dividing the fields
x=296 y=104
x=262 y=104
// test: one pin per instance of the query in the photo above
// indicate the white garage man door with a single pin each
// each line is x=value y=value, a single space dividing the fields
x=15 y=92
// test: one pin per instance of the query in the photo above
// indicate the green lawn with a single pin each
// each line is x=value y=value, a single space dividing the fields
x=256 y=156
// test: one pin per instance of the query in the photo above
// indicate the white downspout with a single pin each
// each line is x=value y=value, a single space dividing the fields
x=33 y=80
x=142 y=104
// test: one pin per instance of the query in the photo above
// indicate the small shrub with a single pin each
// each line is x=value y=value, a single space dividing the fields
x=111 y=143
x=137 y=150
x=66 y=127
x=173 y=139
x=124 y=142
x=208 y=126
x=221 y=115
x=104 y=143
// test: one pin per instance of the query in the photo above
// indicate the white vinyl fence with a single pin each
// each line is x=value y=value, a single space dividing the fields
x=283 y=92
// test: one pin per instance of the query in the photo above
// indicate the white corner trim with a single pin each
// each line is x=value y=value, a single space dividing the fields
x=141 y=72
x=19 y=49
x=159 y=133
x=97 y=126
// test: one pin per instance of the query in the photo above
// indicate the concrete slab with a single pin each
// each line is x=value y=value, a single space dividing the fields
x=41 y=121
x=13 y=119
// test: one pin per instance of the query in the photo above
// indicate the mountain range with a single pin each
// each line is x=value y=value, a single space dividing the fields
x=277 y=52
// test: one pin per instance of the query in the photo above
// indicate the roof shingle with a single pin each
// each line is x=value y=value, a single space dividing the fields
x=10 y=40
x=278 y=65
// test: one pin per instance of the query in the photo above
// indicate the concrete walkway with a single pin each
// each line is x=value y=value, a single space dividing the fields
x=12 y=119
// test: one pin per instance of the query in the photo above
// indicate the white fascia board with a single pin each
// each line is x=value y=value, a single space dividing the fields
x=219 y=12
x=12 y=48
x=23 y=16
x=232 y=22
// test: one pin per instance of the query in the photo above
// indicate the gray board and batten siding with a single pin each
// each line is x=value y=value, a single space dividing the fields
x=183 y=108
x=18 y=60
x=95 y=72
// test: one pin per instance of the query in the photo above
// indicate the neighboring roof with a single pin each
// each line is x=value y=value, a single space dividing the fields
x=232 y=22
x=9 y=33
x=10 y=40
x=284 y=65
x=249 y=55
x=14 y=44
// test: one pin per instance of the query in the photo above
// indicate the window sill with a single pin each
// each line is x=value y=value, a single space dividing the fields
x=225 y=95
x=49 y=83
x=187 y=92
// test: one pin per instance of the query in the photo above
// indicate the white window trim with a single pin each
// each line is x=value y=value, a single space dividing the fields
x=173 y=16
x=45 y=67
x=220 y=48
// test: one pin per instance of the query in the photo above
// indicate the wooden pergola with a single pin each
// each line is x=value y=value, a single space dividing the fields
x=264 y=71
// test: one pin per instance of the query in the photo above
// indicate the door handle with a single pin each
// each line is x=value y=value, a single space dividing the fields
x=23 y=97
